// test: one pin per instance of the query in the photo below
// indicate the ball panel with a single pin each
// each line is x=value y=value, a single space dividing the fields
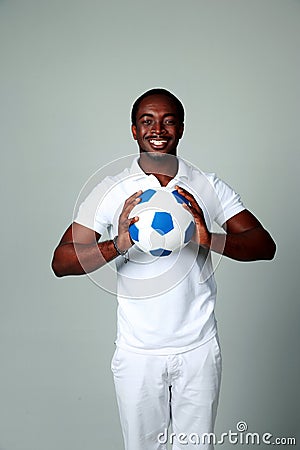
x=160 y=252
x=162 y=222
x=134 y=232
x=146 y=195
x=189 y=232
x=180 y=198
x=156 y=239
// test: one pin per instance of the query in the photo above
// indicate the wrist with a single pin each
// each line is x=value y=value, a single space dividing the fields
x=120 y=251
x=123 y=243
x=206 y=240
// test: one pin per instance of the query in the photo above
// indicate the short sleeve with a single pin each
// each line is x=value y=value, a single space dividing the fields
x=230 y=202
x=93 y=212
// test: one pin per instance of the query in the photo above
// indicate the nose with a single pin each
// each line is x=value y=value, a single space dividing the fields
x=158 y=127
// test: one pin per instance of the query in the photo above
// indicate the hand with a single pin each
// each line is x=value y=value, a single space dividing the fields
x=124 y=241
x=202 y=235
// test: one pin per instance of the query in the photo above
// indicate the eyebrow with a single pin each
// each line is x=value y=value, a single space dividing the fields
x=151 y=115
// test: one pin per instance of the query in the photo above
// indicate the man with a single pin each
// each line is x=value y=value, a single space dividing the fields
x=167 y=365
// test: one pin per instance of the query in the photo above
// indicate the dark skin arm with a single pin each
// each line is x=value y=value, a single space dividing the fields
x=79 y=251
x=245 y=238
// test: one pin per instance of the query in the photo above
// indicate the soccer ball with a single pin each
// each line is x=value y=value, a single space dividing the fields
x=164 y=225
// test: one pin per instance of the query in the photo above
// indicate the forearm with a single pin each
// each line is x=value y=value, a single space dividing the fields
x=251 y=245
x=78 y=259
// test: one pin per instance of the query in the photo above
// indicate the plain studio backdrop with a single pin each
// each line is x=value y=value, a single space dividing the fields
x=70 y=71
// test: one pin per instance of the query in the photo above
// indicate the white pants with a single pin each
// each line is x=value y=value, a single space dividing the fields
x=154 y=391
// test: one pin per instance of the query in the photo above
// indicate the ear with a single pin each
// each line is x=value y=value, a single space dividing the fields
x=133 y=130
x=181 y=130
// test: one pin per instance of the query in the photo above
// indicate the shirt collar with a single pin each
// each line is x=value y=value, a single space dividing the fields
x=183 y=170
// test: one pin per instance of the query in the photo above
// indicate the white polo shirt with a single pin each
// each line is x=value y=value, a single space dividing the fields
x=165 y=304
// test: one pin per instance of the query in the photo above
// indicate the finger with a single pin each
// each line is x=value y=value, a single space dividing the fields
x=129 y=207
x=133 y=198
x=131 y=202
x=190 y=198
x=188 y=207
x=135 y=195
x=195 y=212
x=184 y=192
x=133 y=220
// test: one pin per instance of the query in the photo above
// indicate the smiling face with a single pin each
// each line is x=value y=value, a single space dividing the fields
x=158 y=128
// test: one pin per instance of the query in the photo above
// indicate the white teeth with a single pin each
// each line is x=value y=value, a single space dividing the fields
x=155 y=142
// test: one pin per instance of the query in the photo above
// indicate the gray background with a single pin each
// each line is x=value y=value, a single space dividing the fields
x=70 y=71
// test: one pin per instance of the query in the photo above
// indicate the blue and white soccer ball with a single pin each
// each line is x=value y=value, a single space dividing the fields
x=164 y=225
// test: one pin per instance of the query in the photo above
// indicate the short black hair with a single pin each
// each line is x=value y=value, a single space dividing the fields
x=157 y=91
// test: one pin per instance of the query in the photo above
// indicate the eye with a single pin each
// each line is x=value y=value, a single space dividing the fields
x=170 y=122
x=146 y=122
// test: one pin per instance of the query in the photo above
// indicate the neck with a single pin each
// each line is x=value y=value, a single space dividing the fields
x=164 y=167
